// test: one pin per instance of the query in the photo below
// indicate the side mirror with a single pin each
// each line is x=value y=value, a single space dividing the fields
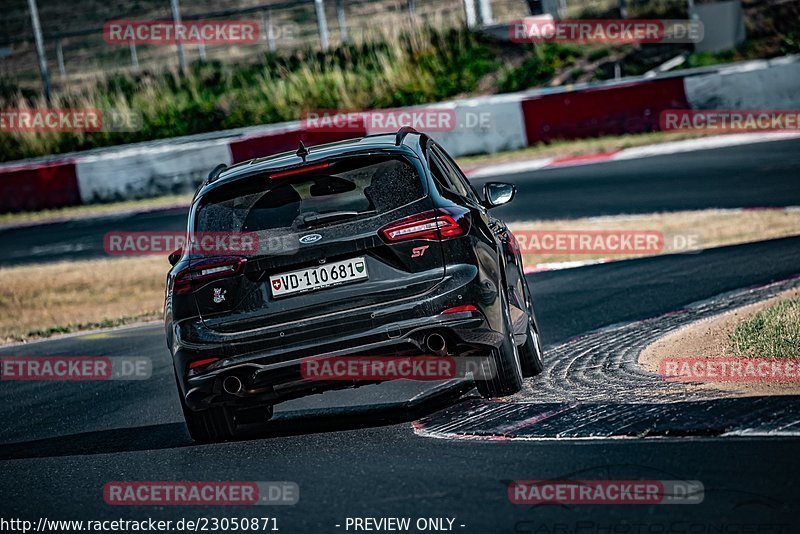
x=497 y=193
x=175 y=256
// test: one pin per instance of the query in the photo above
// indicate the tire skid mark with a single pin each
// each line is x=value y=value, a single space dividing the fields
x=593 y=387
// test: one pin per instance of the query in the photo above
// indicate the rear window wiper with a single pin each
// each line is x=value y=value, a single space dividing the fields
x=314 y=220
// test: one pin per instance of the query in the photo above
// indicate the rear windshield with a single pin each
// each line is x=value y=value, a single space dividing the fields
x=346 y=190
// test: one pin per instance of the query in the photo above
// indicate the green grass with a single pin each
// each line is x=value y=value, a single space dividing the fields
x=426 y=66
x=429 y=66
x=771 y=333
x=539 y=67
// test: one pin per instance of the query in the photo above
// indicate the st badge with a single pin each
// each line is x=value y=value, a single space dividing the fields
x=219 y=295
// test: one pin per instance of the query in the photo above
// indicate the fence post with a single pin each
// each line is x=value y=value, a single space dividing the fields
x=37 y=35
x=269 y=33
x=176 y=18
x=623 y=9
x=201 y=49
x=485 y=10
x=134 y=55
x=322 y=24
x=469 y=12
x=341 y=17
x=412 y=12
x=60 y=58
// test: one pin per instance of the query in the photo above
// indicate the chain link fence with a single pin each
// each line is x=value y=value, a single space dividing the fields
x=75 y=47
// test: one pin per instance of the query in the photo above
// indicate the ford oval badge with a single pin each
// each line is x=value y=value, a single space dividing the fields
x=310 y=238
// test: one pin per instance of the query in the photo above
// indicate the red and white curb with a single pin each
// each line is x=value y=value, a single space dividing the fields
x=514 y=121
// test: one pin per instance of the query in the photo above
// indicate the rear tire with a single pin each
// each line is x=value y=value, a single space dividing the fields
x=507 y=379
x=530 y=354
x=212 y=424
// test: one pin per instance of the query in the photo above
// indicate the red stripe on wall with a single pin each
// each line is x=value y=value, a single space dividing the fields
x=30 y=187
x=268 y=144
x=621 y=109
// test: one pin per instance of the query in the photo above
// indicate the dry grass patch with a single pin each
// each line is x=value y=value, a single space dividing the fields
x=708 y=228
x=42 y=300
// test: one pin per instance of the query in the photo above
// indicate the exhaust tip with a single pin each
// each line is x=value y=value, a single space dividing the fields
x=436 y=343
x=232 y=385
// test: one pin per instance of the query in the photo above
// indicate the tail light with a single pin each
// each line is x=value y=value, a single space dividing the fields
x=432 y=225
x=198 y=364
x=206 y=270
x=299 y=170
x=460 y=309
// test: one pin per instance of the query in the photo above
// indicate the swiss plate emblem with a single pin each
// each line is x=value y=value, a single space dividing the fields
x=276 y=284
x=360 y=267
x=219 y=295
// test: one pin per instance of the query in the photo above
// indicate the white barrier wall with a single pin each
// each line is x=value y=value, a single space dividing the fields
x=771 y=84
x=148 y=171
x=483 y=125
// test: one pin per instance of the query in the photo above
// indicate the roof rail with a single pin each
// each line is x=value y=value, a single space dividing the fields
x=213 y=175
x=402 y=133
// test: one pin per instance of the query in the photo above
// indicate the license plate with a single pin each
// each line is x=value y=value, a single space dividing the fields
x=332 y=274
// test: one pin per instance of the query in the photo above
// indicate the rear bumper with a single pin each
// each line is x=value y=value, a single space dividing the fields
x=276 y=376
x=268 y=361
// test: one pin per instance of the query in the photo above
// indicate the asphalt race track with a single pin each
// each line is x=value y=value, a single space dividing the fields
x=385 y=451
x=746 y=176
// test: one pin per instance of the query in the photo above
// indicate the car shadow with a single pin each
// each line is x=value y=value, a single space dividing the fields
x=175 y=435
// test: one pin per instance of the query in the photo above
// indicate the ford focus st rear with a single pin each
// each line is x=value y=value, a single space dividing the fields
x=354 y=248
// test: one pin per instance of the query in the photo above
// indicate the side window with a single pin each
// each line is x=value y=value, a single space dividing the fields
x=460 y=183
x=441 y=175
